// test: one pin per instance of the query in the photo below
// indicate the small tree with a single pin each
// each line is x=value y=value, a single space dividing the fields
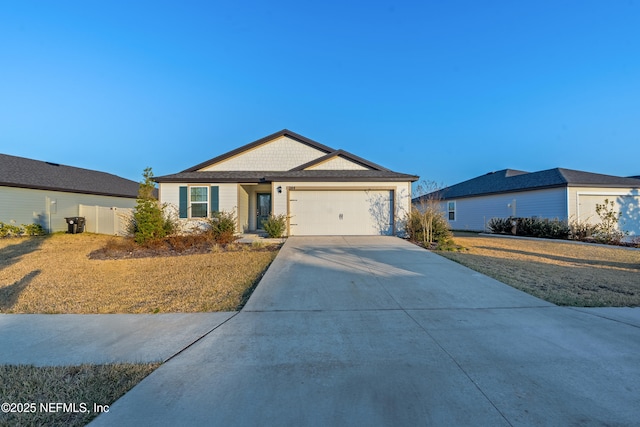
x=607 y=231
x=149 y=219
x=426 y=223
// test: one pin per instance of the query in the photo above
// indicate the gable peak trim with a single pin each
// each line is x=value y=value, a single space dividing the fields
x=345 y=155
x=259 y=142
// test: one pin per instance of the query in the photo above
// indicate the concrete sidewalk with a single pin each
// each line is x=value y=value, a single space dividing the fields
x=74 y=339
x=376 y=331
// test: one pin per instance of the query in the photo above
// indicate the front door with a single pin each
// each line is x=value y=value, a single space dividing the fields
x=264 y=208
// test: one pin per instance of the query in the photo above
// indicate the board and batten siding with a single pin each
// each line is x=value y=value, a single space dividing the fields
x=280 y=154
x=473 y=213
x=50 y=208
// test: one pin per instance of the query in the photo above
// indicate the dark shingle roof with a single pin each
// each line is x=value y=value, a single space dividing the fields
x=305 y=175
x=509 y=180
x=27 y=173
x=374 y=173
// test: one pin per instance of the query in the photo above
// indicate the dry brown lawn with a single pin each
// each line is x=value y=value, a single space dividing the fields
x=53 y=274
x=560 y=272
x=83 y=386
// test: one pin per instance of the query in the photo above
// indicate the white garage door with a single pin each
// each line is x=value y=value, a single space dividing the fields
x=627 y=205
x=341 y=212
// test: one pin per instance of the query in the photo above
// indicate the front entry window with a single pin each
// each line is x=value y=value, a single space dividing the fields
x=199 y=202
x=264 y=208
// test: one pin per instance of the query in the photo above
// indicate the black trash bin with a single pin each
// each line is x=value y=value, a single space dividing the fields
x=75 y=224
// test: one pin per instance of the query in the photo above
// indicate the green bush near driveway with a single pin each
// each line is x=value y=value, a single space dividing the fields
x=275 y=225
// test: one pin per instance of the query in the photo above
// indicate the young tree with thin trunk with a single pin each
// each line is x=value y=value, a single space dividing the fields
x=427 y=223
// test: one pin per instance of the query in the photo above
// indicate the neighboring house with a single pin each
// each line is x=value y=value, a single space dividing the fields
x=33 y=191
x=555 y=193
x=322 y=191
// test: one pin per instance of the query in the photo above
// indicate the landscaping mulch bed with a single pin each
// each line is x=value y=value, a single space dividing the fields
x=174 y=246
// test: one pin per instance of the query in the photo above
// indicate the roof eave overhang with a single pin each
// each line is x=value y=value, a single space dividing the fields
x=342 y=179
x=493 y=193
x=66 y=190
x=604 y=186
x=204 y=180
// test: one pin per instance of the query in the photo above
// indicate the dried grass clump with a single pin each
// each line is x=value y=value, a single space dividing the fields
x=84 y=384
x=559 y=272
x=56 y=275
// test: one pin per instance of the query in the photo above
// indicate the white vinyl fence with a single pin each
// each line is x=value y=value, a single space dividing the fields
x=106 y=220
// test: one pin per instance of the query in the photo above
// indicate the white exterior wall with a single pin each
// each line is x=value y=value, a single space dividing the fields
x=243 y=208
x=402 y=191
x=49 y=208
x=280 y=154
x=228 y=197
x=169 y=193
x=583 y=200
x=241 y=198
x=337 y=163
x=473 y=213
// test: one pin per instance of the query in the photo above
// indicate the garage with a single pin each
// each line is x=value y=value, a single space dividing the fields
x=627 y=204
x=315 y=212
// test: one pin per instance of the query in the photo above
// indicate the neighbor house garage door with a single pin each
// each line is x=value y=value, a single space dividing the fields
x=628 y=205
x=340 y=212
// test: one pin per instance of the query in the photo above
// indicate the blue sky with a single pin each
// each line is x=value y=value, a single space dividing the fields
x=447 y=90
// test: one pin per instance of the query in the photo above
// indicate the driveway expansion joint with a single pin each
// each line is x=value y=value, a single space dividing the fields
x=199 y=339
x=602 y=316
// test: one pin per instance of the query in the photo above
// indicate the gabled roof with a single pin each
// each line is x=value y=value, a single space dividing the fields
x=373 y=172
x=509 y=180
x=35 y=174
x=254 y=144
x=344 y=154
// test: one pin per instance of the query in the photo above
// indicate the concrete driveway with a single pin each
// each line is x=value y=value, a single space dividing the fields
x=376 y=331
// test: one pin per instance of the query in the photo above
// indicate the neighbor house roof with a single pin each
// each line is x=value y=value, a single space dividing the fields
x=35 y=174
x=510 y=180
x=374 y=171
